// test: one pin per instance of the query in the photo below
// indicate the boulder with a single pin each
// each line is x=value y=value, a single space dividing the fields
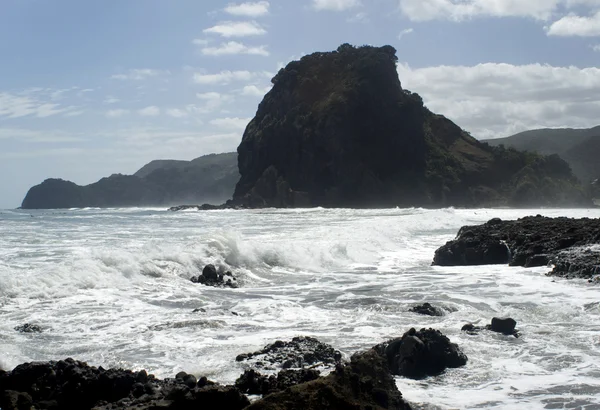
x=505 y=325
x=210 y=277
x=28 y=328
x=418 y=354
x=427 y=309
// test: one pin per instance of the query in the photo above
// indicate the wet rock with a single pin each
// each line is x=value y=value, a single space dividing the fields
x=28 y=328
x=300 y=352
x=571 y=245
x=71 y=384
x=427 y=309
x=253 y=382
x=210 y=277
x=364 y=383
x=505 y=325
x=418 y=354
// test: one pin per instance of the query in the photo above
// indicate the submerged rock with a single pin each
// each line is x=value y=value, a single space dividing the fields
x=300 y=352
x=506 y=326
x=418 y=354
x=210 y=277
x=427 y=309
x=571 y=245
x=28 y=328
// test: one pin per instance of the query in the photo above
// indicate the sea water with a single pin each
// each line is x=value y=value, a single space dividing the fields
x=112 y=288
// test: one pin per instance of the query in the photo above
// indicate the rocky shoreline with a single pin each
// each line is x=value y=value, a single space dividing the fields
x=366 y=381
x=570 y=246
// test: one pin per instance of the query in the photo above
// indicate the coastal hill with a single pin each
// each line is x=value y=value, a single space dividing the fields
x=338 y=130
x=579 y=147
x=210 y=178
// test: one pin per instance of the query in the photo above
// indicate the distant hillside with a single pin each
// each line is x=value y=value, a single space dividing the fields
x=579 y=147
x=207 y=179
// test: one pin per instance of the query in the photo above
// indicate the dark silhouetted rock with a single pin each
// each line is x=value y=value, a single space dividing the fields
x=571 y=245
x=427 y=309
x=300 y=352
x=210 y=277
x=252 y=382
x=503 y=325
x=418 y=354
x=210 y=178
x=364 y=383
x=338 y=130
x=28 y=328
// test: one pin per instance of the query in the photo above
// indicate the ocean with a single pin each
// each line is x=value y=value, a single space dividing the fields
x=112 y=287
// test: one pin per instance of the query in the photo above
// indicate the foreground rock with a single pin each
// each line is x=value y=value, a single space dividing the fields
x=505 y=325
x=338 y=130
x=571 y=245
x=71 y=384
x=300 y=352
x=210 y=277
x=253 y=382
x=28 y=328
x=418 y=354
x=364 y=383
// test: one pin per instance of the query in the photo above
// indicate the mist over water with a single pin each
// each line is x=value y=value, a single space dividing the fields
x=111 y=287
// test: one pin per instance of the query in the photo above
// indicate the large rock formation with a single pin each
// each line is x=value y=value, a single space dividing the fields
x=338 y=130
x=210 y=178
x=571 y=245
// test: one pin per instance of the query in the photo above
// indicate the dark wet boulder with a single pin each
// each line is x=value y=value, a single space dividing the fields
x=253 y=382
x=211 y=277
x=28 y=328
x=364 y=383
x=427 y=309
x=505 y=325
x=300 y=352
x=418 y=354
x=571 y=245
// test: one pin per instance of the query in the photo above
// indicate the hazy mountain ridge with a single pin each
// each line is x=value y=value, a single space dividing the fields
x=210 y=178
x=579 y=147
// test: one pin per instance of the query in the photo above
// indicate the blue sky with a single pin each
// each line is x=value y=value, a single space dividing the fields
x=91 y=88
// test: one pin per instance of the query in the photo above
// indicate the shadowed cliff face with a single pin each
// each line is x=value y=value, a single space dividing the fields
x=338 y=130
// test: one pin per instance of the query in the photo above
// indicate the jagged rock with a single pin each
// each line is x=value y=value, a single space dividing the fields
x=364 y=383
x=300 y=352
x=427 y=309
x=253 y=382
x=70 y=384
x=338 y=130
x=28 y=328
x=572 y=245
x=418 y=354
x=210 y=277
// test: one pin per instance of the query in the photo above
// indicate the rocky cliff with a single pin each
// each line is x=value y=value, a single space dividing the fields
x=338 y=130
x=210 y=178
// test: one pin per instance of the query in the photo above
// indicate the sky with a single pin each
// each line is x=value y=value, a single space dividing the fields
x=92 y=88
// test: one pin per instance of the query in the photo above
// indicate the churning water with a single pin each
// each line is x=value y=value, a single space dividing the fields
x=111 y=287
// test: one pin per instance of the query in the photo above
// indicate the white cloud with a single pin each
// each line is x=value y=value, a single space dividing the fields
x=237 y=29
x=150 y=111
x=211 y=101
x=176 y=113
x=496 y=100
x=457 y=10
x=573 y=25
x=230 y=123
x=111 y=100
x=233 y=47
x=255 y=91
x=405 y=32
x=361 y=17
x=38 y=136
x=138 y=74
x=116 y=113
x=224 y=77
x=74 y=113
x=335 y=5
x=29 y=103
x=596 y=47
x=257 y=9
